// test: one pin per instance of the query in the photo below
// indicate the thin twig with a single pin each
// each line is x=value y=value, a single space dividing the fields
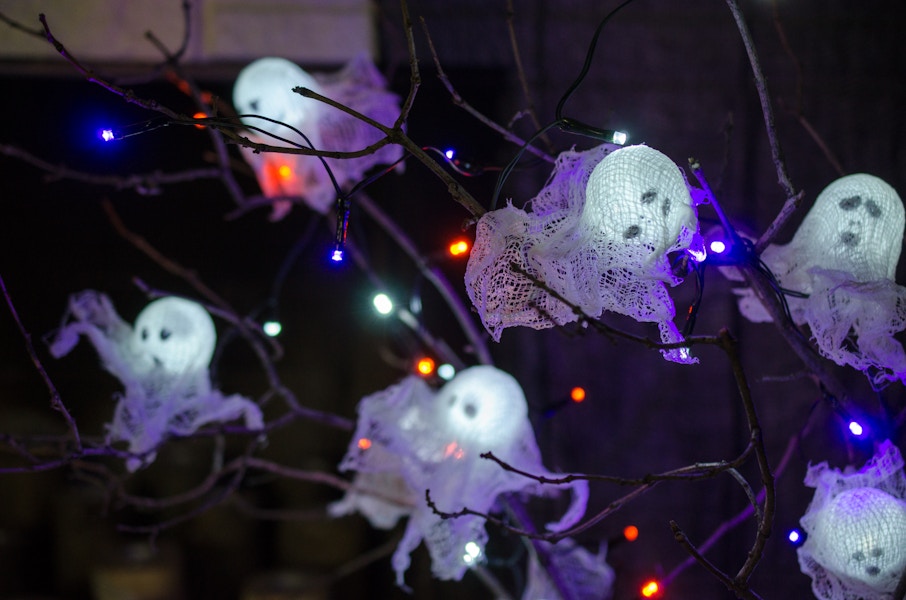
x=683 y=540
x=56 y=402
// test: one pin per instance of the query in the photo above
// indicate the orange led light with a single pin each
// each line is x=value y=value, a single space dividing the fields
x=199 y=115
x=650 y=589
x=577 y=394
x=459 y=247
x=285 y=171
x=364 y=443
x=631 y=533
x=425 y=366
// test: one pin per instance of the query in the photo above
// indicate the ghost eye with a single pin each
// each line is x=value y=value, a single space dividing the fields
x=164 y=334
x=451 y=401
x=254 y=105
x=470 y=410
x=851 y=203
x=665 y=207
x=632 y=231
x=873 y=209
x=872 y=570
x=849 y=238
x=144 y=334
x=649 y=196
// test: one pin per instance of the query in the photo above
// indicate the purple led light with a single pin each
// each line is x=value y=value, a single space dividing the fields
x=856 y=429
x=718 y=247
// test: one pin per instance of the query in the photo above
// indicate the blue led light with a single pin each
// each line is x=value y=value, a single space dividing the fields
x=337 y=255
x=450 y=153
x=106 y=135
x=718 y=246
x=856 y=429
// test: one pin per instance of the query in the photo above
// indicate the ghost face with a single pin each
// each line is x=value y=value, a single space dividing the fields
x=264 y=88
x=856 y=225
x=638 y=197
x=177 y=335
x=860 y=534
x=483 y=409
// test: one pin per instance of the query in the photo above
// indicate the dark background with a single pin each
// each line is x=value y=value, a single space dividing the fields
x=674 y=75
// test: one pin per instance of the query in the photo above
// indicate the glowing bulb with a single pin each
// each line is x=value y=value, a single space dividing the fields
x=383 y=304
x=459 y=247
x=446 y=371
x=272 y=328
x=364 y=443
x=697 y=255
x=284 y=171
x=577 y=394
x=795 y=537
x=337 y=255
x=650 y=588
x=199 y=115
x=856 y=429
x=619 y=137
x=631 y=533
x=473 y=551
x=425 y=366
x=450 y=153
x=718 y=247
x=107 y=135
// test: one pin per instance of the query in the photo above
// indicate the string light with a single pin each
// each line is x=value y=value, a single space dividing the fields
x=450 y=153
x=199 y=115
x=107 y=135
x=718 y=246
x=459 y=247
x=364 y=443
x=577 y=394
x=272 y=328
x=382 y=303
x=284 y=171
x=620 y=137
x=856 y=428
x=651 y=589
x=473 y=552
x=342 y=227
x=446 y=371
x=631 y=533
x=425 y=366
x=796 y=537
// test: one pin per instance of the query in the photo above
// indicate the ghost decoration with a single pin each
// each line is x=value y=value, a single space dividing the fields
x=844 y=258
x=583 y=574
x=598 y=235
x=162 y=363
x=264 y=88
x=427 y=440
x=856 y=526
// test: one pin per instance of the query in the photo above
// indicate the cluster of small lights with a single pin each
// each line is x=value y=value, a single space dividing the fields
x=446 y=371
x=272 y=328
x=458 y=248
x=631 y=533
x=651 y=589
x=453 y=449
x=382 y=303
x=473 y=553
x=577 y=394
x=425 y=366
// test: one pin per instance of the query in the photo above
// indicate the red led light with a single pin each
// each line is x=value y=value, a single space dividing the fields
x=651 y=589
x=631 y=533
x=364 y=443
x=459 y=248
x=199 y=115
x=577 y=394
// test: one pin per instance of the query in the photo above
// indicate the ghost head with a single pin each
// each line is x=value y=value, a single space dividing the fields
x=483 y=408
x=856 y=526
x=638 y=198
x=177 y=335
x=265 y=87
x=861 y=534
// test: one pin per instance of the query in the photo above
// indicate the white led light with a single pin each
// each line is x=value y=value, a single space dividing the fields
x=473 y=551
x=718 y=246
x=107 y=135
x=446 y=371
x=272 y=328
x=855 y=428
x=383 y=304
x=619 y=137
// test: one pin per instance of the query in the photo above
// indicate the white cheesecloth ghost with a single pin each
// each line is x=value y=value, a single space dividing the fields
x=264 y=87
x=856 y=526
x=585 y=576
x=844 y=257
x=162 y=363
x=598 y=234
x=419 y=440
